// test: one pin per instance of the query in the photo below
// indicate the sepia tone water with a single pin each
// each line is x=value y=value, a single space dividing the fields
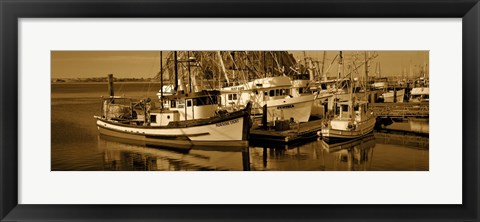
x=77 y=146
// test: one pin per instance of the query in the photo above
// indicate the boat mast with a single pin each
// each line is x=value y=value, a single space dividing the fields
x=351 y=91
x=340 y=69
x=223 y=67
x=366 y=73
x=189 y=73
x=323 y=65
x=161 y=79
x=176 y=70
x=264 y=65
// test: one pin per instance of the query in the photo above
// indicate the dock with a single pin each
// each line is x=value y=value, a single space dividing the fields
x=297 y=133
x=400 y=110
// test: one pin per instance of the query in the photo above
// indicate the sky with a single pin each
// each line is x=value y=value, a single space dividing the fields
x=146 y=64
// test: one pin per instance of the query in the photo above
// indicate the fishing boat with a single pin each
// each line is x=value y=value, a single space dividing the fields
x=141 y=121
x=420 y=94
x=275 y=93
x=184 y=118
x=353 y=121
x=392 y=96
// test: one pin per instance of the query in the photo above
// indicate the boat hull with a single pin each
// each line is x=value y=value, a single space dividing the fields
x=362 y=129
x=296 y=108
x=229 y=132
x=388 y=97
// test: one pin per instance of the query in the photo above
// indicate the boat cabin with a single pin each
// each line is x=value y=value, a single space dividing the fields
x=359 y=110
x=258 y=90
x=348 y=115
x=195 y=105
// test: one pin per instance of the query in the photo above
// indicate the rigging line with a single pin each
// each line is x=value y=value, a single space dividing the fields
x=151 y=70
x=276 y=61
x=254 y=70
x=236 y=66
x=331 y=64
x=203 y=70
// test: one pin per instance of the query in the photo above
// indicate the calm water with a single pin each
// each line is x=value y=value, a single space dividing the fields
x=76 y=144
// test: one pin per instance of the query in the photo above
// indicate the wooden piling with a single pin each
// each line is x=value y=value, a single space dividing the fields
x=110 y=88
x=264 y=117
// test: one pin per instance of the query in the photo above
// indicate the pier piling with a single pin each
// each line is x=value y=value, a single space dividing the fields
x=110 y=88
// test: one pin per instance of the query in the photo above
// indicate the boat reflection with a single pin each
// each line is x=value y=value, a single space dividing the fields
x=118 y=155
x=419 y=125
x=299 y=157
x=356 y=153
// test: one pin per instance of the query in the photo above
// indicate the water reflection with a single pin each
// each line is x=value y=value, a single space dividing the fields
x=119 y=155
x=352 y=155
x=306 y=156
x=357 y=153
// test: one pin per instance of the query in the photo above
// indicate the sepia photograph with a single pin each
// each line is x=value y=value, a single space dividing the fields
x=343 y=110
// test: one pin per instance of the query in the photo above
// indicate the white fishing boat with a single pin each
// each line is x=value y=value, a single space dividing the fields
x=393 y=96
x=354 y=120
x=174 y=126
x=275 y=92
x=183 y=118
x=420 y=94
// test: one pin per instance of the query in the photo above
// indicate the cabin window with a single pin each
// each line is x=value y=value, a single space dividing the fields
x=189 y=103
x=234 y=96
x=153 y=118
x=344 y=108
x=200 y=101
x=277 y=92
x=287 y=91
x=272 y=92
x=173 y=103
x=300 y=90
x=181 y=104
x=265 y=93
x=230 y=96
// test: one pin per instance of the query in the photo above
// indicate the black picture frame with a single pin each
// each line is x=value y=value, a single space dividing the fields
x=11 y=11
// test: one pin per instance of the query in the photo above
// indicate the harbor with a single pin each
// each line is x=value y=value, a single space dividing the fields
x=246 y=111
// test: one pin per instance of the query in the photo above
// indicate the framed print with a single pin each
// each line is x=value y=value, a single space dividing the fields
x=115 y=106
